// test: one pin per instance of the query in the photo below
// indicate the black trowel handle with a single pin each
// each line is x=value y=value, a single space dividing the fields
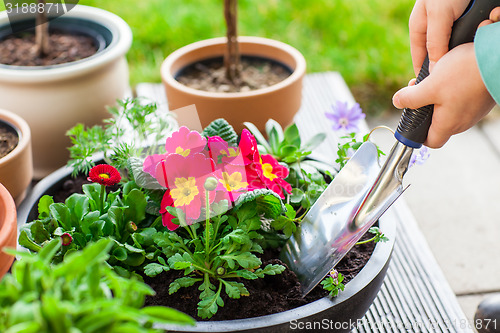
x=414 y=124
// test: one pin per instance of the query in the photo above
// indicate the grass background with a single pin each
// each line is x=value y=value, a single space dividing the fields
x=365 y=40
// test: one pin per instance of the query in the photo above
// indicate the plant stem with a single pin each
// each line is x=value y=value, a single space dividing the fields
x=232 y=54
x=42 y=31
x=366 y=241
x=207 y=226
x=103 y=198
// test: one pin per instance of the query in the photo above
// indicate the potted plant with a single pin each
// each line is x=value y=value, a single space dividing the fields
x=8 y=228
x=16 y=166
x=202 y=208
x=237 y=94
x=82 y=294
x=53 y=97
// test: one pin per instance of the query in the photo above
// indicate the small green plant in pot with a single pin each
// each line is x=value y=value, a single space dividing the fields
x=81 y=294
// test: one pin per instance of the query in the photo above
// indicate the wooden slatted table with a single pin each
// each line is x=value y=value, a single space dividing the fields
x=415 y=296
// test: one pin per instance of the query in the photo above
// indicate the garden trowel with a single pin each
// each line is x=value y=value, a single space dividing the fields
x=362 y=191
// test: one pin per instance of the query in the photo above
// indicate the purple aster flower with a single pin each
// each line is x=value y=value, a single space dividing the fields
x=420 y=156
x=345 y=117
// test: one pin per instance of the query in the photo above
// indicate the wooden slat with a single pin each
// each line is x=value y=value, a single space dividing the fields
x=415 y=296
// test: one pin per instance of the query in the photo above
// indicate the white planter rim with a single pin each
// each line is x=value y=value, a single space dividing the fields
x=122 y=40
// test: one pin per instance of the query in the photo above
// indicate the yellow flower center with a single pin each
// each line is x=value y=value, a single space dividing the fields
x=104 y=175
x=182 y=151
x=233 y=182
x=268 y=171
x=184 y=192
x=231 y=152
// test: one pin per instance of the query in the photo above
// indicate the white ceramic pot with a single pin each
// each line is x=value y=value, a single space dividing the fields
x=52 y=99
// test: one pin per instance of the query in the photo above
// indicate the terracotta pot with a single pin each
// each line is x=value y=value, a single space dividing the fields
x=16 y=168
x=53 y=99
x=280 y=101
x=8 y=228
x=338 y=313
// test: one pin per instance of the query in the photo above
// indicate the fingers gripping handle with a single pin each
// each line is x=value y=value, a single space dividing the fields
x=414 y=124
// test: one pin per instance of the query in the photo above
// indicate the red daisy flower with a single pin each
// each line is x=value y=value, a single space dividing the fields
x=104 y=174
x=66 y=239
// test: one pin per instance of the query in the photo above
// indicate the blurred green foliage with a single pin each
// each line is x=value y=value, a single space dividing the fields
x=366 y=41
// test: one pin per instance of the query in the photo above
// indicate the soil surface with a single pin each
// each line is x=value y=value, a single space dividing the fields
x=20 y=49
x=8 y=140
x=269 y=295
x=255 y=73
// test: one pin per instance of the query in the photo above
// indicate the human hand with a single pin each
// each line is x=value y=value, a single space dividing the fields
x=430 y=29
x=494 y=17
x=457 y=91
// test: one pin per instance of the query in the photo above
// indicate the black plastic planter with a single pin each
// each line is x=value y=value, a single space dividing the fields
x=341 y=314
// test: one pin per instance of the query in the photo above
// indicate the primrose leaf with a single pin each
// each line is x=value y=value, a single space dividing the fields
x=220 y=127
x=266 y=205
x=141 y=178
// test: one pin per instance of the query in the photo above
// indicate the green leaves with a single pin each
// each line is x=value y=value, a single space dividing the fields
x=182 y=282
x=110 y=138
x=141 y=178
x=220 y=127
x=81 y=217
x=82 y=294
x=333 y=284
x=285 y=146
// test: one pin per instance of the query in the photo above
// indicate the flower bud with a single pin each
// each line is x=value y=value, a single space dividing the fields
x=66 y=239
x=220 y=270
x=334 y=275
x=211 y=184
x=131 y=227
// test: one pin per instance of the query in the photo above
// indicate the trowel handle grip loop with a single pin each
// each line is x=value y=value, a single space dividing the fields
x=414 y=124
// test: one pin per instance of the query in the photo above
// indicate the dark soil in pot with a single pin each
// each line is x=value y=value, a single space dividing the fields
x=256 y=73
x=20 y=49
x=271 y=294
x=9 y=139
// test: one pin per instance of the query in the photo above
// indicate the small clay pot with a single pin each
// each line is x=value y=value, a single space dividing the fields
x=8 y=229
x=279 y=102
x=16 y=168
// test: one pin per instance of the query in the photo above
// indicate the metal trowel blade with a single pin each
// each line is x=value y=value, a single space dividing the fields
x=325 y=235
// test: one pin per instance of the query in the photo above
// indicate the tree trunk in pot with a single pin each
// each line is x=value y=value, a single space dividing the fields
x=42 y=30
x=232 y=54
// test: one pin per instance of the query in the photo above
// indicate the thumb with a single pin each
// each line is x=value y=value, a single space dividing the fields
x=413 y=97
